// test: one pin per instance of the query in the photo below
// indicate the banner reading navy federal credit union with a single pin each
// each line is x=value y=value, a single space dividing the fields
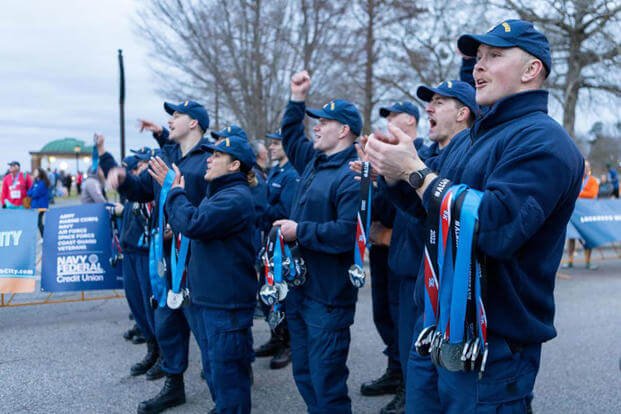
x=77 y=246
x=18 y=245
x=597 y=221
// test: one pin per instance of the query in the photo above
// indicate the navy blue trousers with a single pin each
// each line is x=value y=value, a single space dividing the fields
x=385 y=297
x=225 y=339
x=320 y=339
x=506 y=387
x=172 y=331
x=408 y=313
x=138 y=291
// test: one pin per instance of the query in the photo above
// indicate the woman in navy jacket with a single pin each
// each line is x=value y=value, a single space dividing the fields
x=221 y=275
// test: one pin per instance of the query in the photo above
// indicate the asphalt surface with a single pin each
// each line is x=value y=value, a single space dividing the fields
x=71 y=358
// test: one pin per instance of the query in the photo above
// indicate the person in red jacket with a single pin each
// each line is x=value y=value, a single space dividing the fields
x=15 y=185
x=590 y=189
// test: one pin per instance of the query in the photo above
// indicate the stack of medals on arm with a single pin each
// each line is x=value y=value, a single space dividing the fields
x=284 y=268
x=455 y=326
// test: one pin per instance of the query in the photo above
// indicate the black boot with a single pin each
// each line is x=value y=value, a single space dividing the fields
x=270 y=348
x=282 y=357
x=130 y=333
x=148 y=361
x=397 y=404
x=386 y=384
x=155 y=372
x=171 y=395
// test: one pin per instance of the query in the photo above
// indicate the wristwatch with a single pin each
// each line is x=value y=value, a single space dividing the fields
x=417 y=178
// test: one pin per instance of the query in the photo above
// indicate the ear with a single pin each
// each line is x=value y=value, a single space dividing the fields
x=234 y=166
x=193 y=123
x=344 y=132
x=463 y=114
x=532 y=70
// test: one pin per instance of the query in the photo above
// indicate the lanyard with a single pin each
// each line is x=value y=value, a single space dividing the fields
x=177 y=272
x=363 y=225
x=157 y=263
x=446 y=253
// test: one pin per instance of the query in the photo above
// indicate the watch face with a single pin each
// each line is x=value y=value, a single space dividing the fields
x=415 y=179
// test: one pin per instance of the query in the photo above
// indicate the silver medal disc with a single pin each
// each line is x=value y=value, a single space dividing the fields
x=282 y=290
x=268 y=294
x=357 y=276
x=174 y=300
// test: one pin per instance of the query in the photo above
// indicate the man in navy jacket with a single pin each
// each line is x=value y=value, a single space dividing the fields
x=185 y=148
x=322 y=220
x=507 y=155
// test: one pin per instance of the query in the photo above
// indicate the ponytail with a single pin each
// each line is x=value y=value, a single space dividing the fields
x=252 y=179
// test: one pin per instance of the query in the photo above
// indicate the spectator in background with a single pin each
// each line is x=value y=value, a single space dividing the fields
x=52 y=177
x=67 y=183
x=263 y=161
x=605 y=187
x=15 y=185
x=590 y=189
x=613 y=177
x=40 y=195
x=78 y=182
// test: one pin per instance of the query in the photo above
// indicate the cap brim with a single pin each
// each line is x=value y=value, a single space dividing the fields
x=468 y=44
x=209 y=147
x=215 y=135
x=425 y=93
x=273 y=136
x=318 y=113
x=385 y=111
x=170 y=108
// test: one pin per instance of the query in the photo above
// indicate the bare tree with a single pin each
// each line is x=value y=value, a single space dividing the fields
x=584 y=37
x=238 y=56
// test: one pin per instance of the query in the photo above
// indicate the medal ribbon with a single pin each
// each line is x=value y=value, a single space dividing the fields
x=178 y=271
x=364 y=213
x=156 y=248
x=431 y=271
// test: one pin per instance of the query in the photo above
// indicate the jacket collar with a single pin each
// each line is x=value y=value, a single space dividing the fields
x=511 y=107
x=335 y=160
x=227 y=180
x=173 y=150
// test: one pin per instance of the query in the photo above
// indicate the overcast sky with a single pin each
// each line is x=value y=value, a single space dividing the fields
x=59 y=75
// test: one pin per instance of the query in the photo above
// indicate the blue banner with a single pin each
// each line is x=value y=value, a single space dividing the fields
x=18 y=244
x=77 y=246
x=598 y=222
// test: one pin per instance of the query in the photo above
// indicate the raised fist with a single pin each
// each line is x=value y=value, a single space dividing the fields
x=300 y=85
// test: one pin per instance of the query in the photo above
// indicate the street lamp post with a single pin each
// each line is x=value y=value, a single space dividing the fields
x=77 y=149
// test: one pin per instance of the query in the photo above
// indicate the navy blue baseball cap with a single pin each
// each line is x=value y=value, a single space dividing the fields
x=462 y=91
x=193 y=109
x=274 y=135
x=144 y=153
x=510 y=33
x=230 y=131
x=236 y=146
x=130 y=162
x=339 y=110
x=403 y=107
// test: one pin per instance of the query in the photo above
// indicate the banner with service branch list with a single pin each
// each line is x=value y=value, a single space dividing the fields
x=77 y=247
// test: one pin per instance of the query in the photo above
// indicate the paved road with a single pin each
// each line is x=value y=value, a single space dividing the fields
x=70 y=358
